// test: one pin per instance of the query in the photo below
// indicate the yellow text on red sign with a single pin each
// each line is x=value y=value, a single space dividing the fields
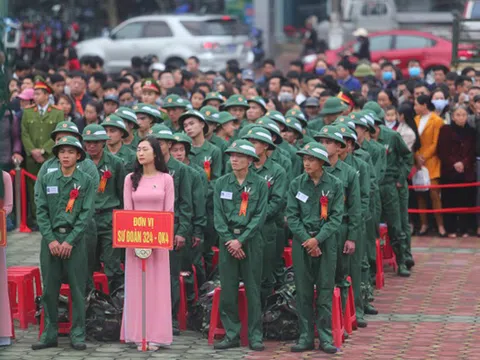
x=143 y=229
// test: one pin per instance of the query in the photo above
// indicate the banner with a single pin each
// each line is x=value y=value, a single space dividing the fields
x=3 y=228
x=142 y=229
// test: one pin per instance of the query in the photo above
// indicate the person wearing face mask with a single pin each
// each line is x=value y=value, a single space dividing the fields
x=414 y=70
x=287 y=96
x=388 y=76
x=441 y=105
x=321 y=67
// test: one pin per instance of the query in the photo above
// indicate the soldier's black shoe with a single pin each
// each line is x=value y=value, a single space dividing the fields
x=80 y=346
x=257 y=346
x=301 y=347
x=409 y=263
x=41 y=345
x=226 y=344
x=403 y=271
x=327 y=348
x=370 y=310
x=361 y=323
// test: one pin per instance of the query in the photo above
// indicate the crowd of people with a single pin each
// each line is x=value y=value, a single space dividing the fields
x=246 y=163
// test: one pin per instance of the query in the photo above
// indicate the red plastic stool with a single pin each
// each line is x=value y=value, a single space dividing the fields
x=380 y=276
x=22 y=298
x=182 y=309
x=337 y=320
x=195 y=282
x=287 y=256
x=350 y=318
x=216 y=327
x=63 y=327
x=34 y=271
x=388 y=254
x=11 y=291
x=216 y=251
x=100 y=281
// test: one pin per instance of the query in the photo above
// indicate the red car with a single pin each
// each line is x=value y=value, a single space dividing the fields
x=400 y=46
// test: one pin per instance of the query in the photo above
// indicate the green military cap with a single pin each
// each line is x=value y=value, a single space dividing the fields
x=331 y=132
x=242 y=147
x=195 y=114
x=316 y=150
x=151 y=84
x=94 y=132
x=161 y=132
x=345 y=120
x=258 y=100
x=373 y=115
x=260 y=134
x=372 y=105
x=295 y=125
x=175 y=101
x=333 y=105
x=183 y=139
x=297 y=114
x=271 y=126
x=276 y=116
x=224 y=117
x=115 y=121
x=244 y=130
x=347 y=132
x=214 y=95
x=127 y=114
x=148 y=109
x=69 y=141
x=236 y=100
x=66 y=127
x=359 y=119
x=210 y=113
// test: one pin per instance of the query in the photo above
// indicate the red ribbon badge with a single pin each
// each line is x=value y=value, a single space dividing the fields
x=208 y=168
x=324 y=207
x=103 y=181
x=73 y=195
x=244 y=204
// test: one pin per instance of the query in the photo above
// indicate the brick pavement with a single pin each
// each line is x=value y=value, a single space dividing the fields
x=435 y=314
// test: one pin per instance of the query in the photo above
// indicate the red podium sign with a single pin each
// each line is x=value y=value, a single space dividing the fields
x=3 y=228
x=142 y=229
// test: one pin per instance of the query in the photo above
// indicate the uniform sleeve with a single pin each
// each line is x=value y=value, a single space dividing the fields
x=353 y=208
x=120 y=181
x=169 y=202
x=41 y=173
x=294 y=214
x=365 y=187
x=406 y=157
x=335 y=215
x=258 y=219
x=277 y=200
x=26 y=138
x=93 y=172
x=381 y=165
x=199 y=218
x=127 y=193
x=81 y=221
x=185 y=205
x=43 y=218
x=217 y=165
x=219 y=216
x=48 y=145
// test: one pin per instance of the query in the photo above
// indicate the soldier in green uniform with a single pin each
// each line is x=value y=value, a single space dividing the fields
x=293 y=132
x=116 y=131
x=257 y=109
x=147 y=116
x=333 y=108
x=331 y=137
x=297 y=114
x=276 y=180
x=108 y=198
x=209 y=157
x=214 y=99
x=240 y=208
x=38 y=121
x=68 y=128
x=175 y=107
x=226 y=127
x=180 y=151
x=399 y=164
x=237 y=105
x=182 y=181
x=314 y=213
x=211 y=115
x=130 y=119
x=64 y=201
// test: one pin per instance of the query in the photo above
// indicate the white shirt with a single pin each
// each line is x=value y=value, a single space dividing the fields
x=43 y=110
x=300 y=98
x=423 y=122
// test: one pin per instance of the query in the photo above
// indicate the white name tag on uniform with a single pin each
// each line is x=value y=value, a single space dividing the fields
x=51 y=170
x=52 y=190
x=227 y=195
x=302 y=197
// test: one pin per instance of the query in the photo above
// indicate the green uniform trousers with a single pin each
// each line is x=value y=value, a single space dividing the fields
x=343 y=265
x=33 y=168
x=54 y=270
x=105 y=251
x=91 y=249
x=319 y=272
x=175 y=265
x=357 y=273
x=270 y=259
x=403 y=195
x=391 y=214
x=192 y=256
x=211 y=239
x=250 y=271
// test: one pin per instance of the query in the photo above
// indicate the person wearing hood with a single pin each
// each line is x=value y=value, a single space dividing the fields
x=363 y=52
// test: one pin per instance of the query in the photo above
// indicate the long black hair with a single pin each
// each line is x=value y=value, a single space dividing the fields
x=406 y=109
x=159 y=162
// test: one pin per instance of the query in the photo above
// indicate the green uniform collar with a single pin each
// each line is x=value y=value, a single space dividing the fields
x=248 y=180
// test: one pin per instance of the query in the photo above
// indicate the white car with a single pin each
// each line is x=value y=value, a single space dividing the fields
x=214 y=39
x=472 y=12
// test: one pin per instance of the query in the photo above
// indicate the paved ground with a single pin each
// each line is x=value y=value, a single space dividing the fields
x=435 y=314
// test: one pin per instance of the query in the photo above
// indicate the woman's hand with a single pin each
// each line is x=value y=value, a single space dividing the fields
x=459 y=167
x=419 y=161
